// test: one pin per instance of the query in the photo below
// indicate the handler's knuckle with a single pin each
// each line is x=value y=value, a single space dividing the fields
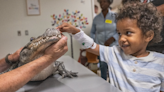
x=66 y=48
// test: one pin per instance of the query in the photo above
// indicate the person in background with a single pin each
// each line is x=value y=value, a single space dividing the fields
x=159 y=47
x=15 y=79
x=103 y=31
x=96 y=10
x=131 y=67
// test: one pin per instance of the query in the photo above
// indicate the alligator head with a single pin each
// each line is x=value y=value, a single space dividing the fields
x=37 y=46
x=35 y=49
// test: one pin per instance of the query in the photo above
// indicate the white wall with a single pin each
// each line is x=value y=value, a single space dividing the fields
x=116 y=3
x=13 y=17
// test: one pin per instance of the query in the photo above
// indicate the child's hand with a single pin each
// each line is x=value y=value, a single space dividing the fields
x=65 y=27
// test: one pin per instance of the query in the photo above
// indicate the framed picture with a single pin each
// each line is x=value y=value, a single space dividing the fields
x=33 y=7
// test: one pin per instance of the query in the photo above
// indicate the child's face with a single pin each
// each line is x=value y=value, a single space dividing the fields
x=131 y=39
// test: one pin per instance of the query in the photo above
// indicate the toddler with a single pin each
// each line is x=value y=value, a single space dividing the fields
x=131 y=67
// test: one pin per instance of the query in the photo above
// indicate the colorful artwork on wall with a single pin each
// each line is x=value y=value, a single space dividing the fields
x=74 y=18
x=33 y=7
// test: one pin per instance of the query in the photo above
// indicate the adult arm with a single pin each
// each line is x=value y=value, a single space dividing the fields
x=15 y=79
x=12 y=57
x=109 y=41
x=112 y=39
x=115 y=37
x=161 y=9
x=93 y=31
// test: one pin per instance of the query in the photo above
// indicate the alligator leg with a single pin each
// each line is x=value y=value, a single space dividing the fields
x=63 y=72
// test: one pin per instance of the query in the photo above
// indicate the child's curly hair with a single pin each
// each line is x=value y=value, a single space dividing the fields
x=124 y=1
x=147 y=16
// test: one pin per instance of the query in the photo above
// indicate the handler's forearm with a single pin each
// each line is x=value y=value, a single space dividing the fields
x=3 y=64
x=15 y=79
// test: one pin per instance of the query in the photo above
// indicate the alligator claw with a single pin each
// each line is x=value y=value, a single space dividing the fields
x=60 y=68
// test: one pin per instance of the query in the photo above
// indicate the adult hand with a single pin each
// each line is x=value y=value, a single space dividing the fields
x=161 y=9
x=65 y=27
x=15 y=56
x=57 y=50
x=109 y=41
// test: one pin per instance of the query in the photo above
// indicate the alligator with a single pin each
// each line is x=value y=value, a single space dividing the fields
x=35 y=49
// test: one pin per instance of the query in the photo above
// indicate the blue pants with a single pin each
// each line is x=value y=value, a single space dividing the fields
x=103 y=69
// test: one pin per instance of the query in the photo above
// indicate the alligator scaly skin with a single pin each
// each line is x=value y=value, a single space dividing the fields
x=35 y=49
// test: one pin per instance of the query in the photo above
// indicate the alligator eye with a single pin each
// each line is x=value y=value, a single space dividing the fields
x=32 y=38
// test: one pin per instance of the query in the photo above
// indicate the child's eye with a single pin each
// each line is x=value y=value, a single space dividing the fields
x=128 y=33
x=119 y=33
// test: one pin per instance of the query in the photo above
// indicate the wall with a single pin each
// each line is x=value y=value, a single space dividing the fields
x=13 y=17
x=116 y=3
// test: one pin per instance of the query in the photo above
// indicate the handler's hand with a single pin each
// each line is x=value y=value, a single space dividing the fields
x=15 y=56
x=57 y=50
x=65 y=27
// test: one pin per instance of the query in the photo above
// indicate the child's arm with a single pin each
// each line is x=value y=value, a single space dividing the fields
x=85 y=41
x=94 y=51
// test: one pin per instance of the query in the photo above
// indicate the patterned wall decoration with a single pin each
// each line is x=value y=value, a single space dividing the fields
x=75 y=18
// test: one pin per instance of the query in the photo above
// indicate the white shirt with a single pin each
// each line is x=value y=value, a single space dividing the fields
x=131 y=74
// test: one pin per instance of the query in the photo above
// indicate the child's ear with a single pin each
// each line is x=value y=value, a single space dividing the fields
x=149 y=36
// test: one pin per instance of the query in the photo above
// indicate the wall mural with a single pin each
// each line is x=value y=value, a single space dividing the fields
x=74 y=18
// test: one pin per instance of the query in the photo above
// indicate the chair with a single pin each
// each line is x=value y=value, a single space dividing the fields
x=89 y=60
